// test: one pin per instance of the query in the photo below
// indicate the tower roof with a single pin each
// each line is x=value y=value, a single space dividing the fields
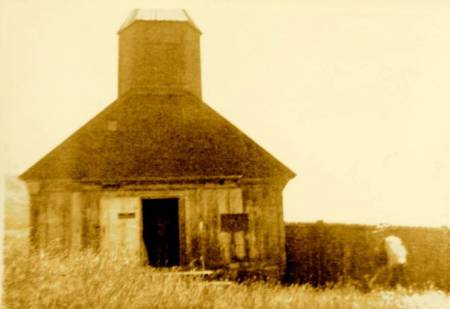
x=176 y=15
x=148 y=136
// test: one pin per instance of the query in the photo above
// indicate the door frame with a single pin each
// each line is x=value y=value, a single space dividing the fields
x=181 y=224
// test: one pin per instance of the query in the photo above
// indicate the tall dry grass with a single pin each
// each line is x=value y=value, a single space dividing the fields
x=87 y=280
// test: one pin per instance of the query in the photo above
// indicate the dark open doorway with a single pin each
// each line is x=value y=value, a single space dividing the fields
x=160 y=231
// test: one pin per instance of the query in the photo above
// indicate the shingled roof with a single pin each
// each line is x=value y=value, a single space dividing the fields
x=145 y=136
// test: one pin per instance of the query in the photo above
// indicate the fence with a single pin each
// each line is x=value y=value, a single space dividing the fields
x=319 y=253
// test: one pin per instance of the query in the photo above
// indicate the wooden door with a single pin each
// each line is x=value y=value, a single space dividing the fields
x=120 y=220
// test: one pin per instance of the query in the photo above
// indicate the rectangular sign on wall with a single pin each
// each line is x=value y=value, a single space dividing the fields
x=126 y=215
x=234 y=222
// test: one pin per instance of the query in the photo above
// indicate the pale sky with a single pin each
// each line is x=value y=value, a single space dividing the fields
x=354 y=97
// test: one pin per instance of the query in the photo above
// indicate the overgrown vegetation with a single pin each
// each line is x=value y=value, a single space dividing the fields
x=319 y=254
x=87 y=280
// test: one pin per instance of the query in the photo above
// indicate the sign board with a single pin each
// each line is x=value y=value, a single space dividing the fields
x=234 y=222
x=126 y=215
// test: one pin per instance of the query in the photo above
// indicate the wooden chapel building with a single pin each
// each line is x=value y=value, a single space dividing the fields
x=159 y=176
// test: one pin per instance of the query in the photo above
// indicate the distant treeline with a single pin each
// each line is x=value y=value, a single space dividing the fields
x=321 y=253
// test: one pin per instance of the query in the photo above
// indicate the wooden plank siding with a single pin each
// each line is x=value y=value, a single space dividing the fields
x=272 y=230
x=214 y=255
x=57 y=220
x=188 y=227
x=202 y=205
x=252 y=210
x=76 y=222
x=236 y=207
x=181 y=228
x=266 y=226
x=195 y=237
x=35 y=203
x=83 y=219
x=41 y=228
x=257 y=201
x=92 y=221
x=282 y=231
x=209 y=227
x=224 y=238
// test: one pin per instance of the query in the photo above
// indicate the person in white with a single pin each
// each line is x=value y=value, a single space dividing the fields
x=392 y=259
x=396 y=260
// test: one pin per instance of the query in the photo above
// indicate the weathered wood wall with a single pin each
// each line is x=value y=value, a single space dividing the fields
x=87 y=219
x=65 y=220
x=266 y=225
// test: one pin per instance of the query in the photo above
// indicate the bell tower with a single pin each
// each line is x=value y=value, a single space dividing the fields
x=159 y=51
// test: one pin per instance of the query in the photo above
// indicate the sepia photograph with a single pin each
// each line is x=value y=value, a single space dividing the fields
x=225 y=154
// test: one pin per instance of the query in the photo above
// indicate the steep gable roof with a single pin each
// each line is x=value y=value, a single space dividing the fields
x=157 y=135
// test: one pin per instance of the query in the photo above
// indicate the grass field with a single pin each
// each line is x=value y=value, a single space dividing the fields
x=90 y=281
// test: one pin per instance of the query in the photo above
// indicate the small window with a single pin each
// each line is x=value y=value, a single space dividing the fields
x=112 y=125
x=234 y=222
